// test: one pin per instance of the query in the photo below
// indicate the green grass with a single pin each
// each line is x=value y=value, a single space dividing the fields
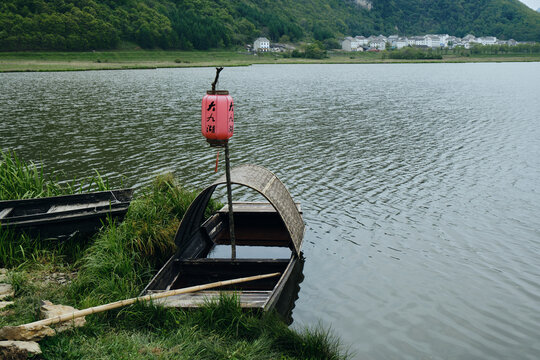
x=151 y=59
x=117 y=265
x=25 y=180
x=123 y=257
x=18 y=250
x=146 y=332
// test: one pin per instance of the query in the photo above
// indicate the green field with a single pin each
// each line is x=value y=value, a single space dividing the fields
x=151 y=59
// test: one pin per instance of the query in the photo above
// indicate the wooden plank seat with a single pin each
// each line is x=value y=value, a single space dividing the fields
x=247 y=299
x=81 y=206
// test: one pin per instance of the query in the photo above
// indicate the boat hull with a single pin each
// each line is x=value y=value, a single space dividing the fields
x=63 y=217
x=205 y=259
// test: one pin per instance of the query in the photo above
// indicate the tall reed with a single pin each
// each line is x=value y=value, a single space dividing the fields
x=24 y=180
x=21 y=180
x=124 y=256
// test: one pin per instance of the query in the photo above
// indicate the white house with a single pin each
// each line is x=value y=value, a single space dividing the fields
x=433 y=41
x=420 y=41
x=392 y=40
x=452 y=41
x=378 y=42
x=362 y=40
x=350 y=44
x=402 y=42
x=469 y=39
x=487 y=40
x=261 y=44
x=444 y=39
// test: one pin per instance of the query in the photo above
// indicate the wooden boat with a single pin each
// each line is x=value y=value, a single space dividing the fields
x=268 y=235
x=64 y=216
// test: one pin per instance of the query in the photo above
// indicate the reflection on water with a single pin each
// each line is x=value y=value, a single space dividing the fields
x=419 y=183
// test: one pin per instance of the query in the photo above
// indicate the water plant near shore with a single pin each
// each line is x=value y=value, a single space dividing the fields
x=124 y=256
x=25 y=180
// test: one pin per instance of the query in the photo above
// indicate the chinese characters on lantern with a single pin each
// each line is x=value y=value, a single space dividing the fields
x=217 y=116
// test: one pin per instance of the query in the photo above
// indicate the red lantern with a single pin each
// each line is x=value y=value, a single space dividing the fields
x=217 y=123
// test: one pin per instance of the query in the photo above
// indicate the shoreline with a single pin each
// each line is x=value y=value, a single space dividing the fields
x=156 y=59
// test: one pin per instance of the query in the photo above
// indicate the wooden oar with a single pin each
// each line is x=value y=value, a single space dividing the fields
x=13 y=331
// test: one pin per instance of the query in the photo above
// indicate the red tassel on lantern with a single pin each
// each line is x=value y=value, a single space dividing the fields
x=217 y=122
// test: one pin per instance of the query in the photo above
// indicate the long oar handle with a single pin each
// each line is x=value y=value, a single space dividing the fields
x=120 y=303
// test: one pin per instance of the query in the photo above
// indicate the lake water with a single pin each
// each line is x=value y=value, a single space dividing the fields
x=420 y=183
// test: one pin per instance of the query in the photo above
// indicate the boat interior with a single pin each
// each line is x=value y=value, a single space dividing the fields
x=263 y=246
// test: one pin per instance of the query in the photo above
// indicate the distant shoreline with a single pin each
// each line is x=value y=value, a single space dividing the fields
x=154 y=59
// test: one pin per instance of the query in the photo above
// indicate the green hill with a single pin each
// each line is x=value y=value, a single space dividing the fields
x=504 y=19
x=204 y=24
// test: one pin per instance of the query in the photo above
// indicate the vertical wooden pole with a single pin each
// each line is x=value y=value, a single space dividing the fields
x=229 y=199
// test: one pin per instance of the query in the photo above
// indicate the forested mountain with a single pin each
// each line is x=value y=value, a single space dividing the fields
x=204 y=24
x=501 y=18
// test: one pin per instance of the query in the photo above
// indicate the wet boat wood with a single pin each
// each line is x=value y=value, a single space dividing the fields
x=65 y=216
x=264 y=239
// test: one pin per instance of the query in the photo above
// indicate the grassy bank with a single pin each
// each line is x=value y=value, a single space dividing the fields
x=23 y=180
x=151 y=59
x=117 y=264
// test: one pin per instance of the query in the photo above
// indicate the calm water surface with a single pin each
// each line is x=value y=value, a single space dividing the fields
x=420 y=183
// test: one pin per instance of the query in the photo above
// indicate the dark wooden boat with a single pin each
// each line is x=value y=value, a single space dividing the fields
x=65 y=216
x=269 y=237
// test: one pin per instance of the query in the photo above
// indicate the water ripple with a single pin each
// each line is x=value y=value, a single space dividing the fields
x=420 y=184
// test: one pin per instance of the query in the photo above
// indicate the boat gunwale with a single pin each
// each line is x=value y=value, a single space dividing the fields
x=128 y=192
x=41 y=219
x=278 y=288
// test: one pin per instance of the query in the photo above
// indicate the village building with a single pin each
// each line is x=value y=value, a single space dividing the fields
x=362 y=40
x=469 y=38
x=350 y=44
x=392 y=40
x=487 y=40
x=433 y=41
x=420 y=41
x=402 y=42
x=451 y=41
x=378 y=42
x=429 y=41
x=261 y=44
